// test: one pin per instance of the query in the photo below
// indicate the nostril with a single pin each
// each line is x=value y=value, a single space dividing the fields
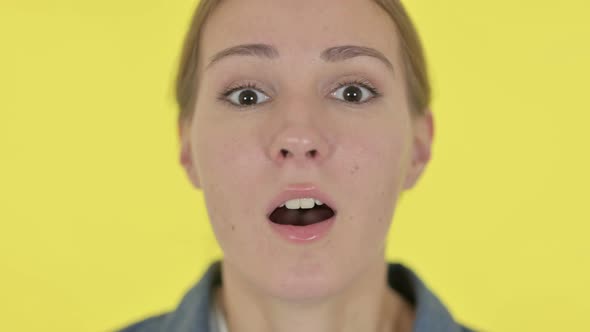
x=311 y=153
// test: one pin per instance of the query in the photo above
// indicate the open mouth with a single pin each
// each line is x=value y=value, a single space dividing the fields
x=301 y=212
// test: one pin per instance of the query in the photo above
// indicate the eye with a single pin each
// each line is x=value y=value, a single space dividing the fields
x=356 y=92
x=244 y=95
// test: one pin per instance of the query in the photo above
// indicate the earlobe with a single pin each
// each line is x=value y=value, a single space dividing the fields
x=423 y=127
x=186 y=159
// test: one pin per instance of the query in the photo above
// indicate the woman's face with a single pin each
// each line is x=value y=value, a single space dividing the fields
x=366 y=154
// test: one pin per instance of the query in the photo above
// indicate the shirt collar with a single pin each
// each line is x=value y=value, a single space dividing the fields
x=193 y=312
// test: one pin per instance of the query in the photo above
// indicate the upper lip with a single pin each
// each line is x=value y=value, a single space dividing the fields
x=304 y=190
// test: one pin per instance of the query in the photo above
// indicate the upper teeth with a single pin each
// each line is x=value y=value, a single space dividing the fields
x=301 y=203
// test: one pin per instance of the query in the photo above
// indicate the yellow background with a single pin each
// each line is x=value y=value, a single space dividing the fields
x=99 y=226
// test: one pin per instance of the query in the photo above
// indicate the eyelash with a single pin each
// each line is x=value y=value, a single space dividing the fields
x=251 y=85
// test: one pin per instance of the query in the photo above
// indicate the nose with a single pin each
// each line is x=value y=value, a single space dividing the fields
x=300 y=144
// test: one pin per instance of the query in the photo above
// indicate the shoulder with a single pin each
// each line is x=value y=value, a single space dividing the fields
x=191 y=315
x=431 y=313
x=150 y=324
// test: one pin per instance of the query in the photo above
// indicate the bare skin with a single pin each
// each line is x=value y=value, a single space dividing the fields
x=366 y=156
x=393 y=313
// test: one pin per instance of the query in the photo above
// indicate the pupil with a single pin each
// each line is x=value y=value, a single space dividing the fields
x=353 y=94
x=248 y=97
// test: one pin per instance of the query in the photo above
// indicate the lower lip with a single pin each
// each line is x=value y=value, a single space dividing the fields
x=303 y=234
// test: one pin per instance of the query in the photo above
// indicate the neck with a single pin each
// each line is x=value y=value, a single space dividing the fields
x=369 y=304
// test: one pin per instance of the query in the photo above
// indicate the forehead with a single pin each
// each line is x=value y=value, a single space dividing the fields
x=300 y=28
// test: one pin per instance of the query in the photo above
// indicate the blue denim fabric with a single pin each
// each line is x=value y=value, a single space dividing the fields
x=193 y=312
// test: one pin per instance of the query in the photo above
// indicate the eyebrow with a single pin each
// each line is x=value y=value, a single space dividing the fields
x=331 y=54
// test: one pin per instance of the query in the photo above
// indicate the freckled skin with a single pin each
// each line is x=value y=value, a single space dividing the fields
x=232 y=150
x=366 y=155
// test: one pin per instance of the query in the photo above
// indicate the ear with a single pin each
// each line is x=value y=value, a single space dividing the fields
x=186 y=159
x=423 y=134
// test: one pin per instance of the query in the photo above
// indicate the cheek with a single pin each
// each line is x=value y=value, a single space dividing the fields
x=224 y=153
x=377 y=154
x=374 y=172
x=227 y=162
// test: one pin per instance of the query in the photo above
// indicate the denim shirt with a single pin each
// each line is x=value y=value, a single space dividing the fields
x=193 y=314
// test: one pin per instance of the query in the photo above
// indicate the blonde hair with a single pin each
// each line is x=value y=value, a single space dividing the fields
x=415 y=69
